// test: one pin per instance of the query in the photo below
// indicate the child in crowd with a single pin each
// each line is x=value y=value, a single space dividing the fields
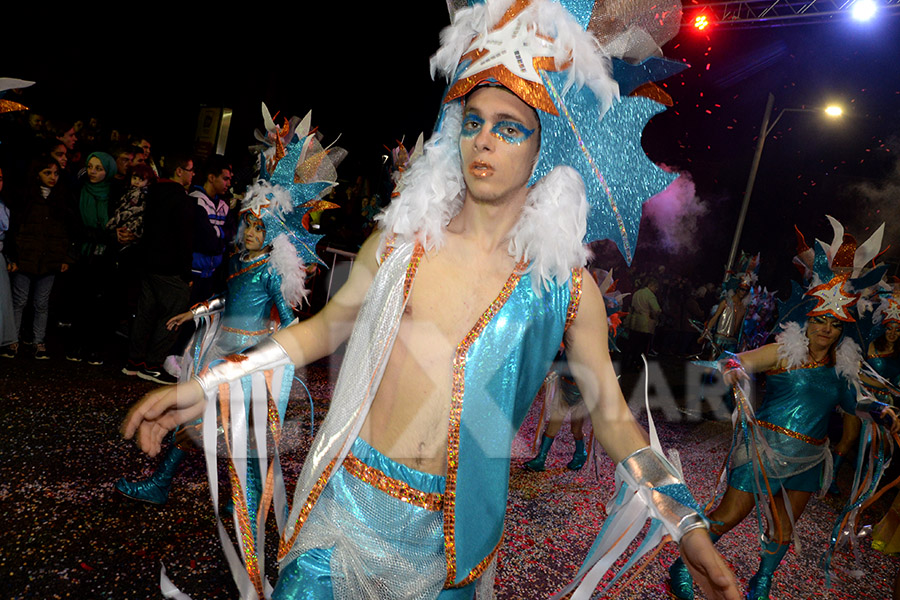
x=37 y=250
x=128 y=220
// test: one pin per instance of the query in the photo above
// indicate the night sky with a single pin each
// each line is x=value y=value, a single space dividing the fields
x=364 y=73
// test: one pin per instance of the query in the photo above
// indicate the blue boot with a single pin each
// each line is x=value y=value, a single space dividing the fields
x=579 y=457
x=537 y=463
x=681 y=585
x=770 y=558
x=154 y=489
x=837 y=461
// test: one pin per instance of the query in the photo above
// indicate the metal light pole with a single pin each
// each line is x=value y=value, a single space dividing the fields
x=764 y=131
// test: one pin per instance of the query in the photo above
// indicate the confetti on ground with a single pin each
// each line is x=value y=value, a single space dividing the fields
x=68 y=534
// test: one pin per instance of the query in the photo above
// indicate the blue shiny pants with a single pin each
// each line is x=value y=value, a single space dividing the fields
x=404 y=528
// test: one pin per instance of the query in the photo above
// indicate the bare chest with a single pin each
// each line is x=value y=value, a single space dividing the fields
x=410 y=413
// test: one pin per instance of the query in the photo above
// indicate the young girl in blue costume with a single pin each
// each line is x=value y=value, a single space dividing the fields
x=266 y=275
x=811 y=369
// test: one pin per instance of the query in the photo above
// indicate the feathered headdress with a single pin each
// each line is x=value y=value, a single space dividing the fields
x=566 y=60
x=837 y=279
x=293 y=178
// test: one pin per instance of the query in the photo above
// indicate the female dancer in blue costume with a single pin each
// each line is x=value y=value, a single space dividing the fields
x=810 y=371
x=883 y=356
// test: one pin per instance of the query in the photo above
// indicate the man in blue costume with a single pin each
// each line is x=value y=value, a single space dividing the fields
x=454 y=311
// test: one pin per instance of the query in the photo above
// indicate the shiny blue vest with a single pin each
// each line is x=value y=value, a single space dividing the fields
x=498 y=370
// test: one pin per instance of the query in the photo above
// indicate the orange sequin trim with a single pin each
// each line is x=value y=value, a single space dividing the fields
x=575 y=300
x=248 y=268
x=392 y=487
x=245 y=332
x=459 y=384
x=791 y=433
x=237 y=495
x=388 y=246
x=479 y=569
x=418 y=251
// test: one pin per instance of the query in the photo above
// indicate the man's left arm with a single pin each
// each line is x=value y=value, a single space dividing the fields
x=621 y=436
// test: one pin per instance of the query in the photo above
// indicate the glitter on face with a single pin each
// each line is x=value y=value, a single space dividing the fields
x=510 y=132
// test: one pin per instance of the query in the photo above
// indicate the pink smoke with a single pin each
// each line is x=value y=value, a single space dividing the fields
x=675 y=213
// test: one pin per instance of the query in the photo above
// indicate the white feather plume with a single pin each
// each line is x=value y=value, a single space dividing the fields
x=285 y=261
x=431 y=190
x=573 y=46
x=793 y=344
x=552 y=225
x=847 y=358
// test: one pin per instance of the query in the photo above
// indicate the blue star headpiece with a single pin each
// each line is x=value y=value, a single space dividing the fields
x=547 y=53
x=834 y=291
x=283 y=201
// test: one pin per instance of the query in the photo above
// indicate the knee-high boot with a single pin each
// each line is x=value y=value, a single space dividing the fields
x=155 y=489
x=681 y=585
x=770 y=557
x=537 y=463
x=579 y=457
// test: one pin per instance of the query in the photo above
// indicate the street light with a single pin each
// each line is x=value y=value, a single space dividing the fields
x=764 y=131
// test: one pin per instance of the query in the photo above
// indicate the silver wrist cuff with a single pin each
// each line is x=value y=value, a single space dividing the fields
x=267 y=354
x=869 y=409
x=208 y=307
x=647 y=470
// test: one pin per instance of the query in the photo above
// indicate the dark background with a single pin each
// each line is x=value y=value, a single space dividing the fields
x=363 y=71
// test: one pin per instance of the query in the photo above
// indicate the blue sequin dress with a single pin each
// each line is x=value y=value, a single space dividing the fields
x=793 y=421
x=253 y=290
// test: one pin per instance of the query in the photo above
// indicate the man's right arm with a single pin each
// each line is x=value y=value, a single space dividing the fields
x=163 y=409
x=321 y=334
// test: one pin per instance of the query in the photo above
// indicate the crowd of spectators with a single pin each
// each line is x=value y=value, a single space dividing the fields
x=100 y=236
x=82 y=233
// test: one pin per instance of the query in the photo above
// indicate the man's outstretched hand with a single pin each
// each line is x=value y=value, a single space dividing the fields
x=160 y=411
x=707 y=567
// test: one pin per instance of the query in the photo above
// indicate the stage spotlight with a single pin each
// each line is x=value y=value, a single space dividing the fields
x=863 y=10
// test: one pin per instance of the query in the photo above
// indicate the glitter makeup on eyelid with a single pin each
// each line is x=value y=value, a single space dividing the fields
x=524 y=132
x=470 y=118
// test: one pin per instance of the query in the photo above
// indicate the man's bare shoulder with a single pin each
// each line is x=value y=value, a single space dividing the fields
x=591 y=315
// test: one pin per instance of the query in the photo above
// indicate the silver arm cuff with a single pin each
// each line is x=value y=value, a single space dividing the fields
x=208 y=307
x=869 y=409
x=646 y=469
x=267 y=354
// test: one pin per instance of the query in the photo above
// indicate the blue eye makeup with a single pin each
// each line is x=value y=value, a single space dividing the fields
x=471 y=125
x=511 y=132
